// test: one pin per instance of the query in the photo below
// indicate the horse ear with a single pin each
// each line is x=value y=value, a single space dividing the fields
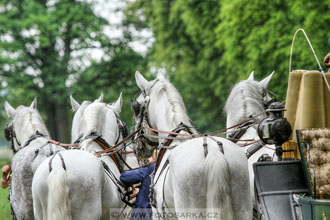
x=142 y=83
x=100 y=99
x=161 y=76
x=75 y=105
x=118 y=104
x=34 y=103
x=264 y=83
x=251 y=77
x=9 y=110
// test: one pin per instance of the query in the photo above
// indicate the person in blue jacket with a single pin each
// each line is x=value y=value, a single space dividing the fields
x=141 y=207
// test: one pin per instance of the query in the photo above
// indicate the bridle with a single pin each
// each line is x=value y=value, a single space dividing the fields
x=10 y=135
x=122 y=133
x=268 y=102
x=142 y=113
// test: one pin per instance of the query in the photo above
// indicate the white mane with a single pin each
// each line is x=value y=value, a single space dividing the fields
x=27 y=121
x=245 y=100
x=94 y=117
x=100 y=119
x=164 y=91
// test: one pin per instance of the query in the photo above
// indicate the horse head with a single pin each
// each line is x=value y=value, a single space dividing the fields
x=252 y=96
x=98 y=119
x=159 y=106
x=24 y=122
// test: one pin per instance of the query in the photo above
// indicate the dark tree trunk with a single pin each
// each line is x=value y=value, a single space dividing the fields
x=58 y=121
x=62 y=122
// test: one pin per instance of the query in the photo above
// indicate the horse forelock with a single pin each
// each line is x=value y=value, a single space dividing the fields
x=29 y=120
x=176 y=112
x=244 y=100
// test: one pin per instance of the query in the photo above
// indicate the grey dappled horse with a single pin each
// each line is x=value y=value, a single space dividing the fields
x=29 y=136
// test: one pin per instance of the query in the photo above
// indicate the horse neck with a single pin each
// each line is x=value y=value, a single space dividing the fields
x=28 y=129
x=250 y=133
x=165 y=114
x=92 y=147
x=105 y=125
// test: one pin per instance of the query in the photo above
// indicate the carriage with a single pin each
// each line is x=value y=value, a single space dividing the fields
x=297 y=187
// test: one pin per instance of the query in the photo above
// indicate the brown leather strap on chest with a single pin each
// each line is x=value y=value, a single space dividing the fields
x=102 y=143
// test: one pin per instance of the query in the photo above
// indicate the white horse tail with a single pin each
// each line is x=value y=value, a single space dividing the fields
x=58 y=195
x=219 y=199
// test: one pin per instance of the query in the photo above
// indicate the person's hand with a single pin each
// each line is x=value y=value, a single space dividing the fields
x=134 y=193
x=5 y=179
x=6 y=169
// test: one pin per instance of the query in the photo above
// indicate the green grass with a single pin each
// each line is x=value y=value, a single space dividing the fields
x=5 y=212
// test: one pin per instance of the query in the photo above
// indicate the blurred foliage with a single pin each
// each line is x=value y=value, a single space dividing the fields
x=45 y=47
x=204 y=46
x=208 y=46
x=110 y=78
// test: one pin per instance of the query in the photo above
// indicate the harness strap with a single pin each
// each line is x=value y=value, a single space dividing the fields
x=51 y=160
x=100 y=141
x=218 y=142
x=174 y=132
x=32 y=138
x=164 y=205
x=153 y=183
x=122 y=159
x=240 y=131
x=253 y=149
x=205 y=145
x=168 y=142
x=62 y=144
x=113 y=148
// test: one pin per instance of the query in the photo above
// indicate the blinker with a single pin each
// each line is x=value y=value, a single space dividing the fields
x=8 y=132
x=136 y=107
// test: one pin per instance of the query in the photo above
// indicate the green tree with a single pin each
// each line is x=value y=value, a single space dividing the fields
x=111 y=77
x=208 y=46
x=43 y=46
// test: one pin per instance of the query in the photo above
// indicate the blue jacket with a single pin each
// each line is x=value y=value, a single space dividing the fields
x=142 y=175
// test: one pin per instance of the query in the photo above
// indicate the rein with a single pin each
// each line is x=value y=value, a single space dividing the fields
x=63 y=144
x=114 y=149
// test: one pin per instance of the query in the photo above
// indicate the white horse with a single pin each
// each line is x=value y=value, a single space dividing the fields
x=204 y=177
x=29 y=136
x=247 y=99
x=74 y=184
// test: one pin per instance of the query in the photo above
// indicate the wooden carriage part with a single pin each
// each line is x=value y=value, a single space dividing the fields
x=307 y=104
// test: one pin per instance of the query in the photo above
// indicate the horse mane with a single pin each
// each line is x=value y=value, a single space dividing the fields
x=95 y=116
x=31 y=120
x=244 y=100
x=177 y=113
